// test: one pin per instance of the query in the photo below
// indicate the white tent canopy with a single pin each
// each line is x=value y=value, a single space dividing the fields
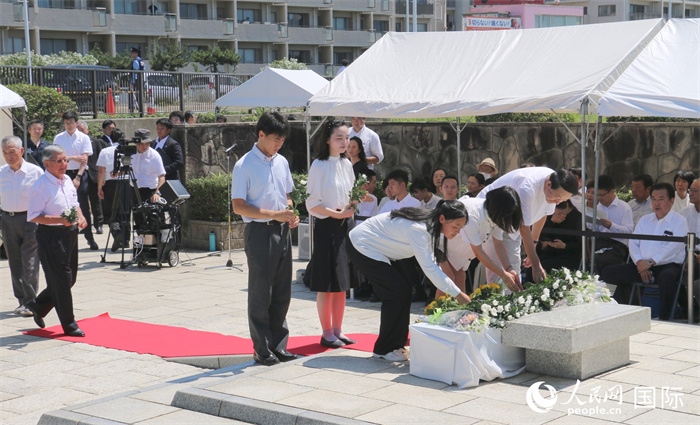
x=664 y=80
x=451 y=74
x=275 y=88
x=10 y=99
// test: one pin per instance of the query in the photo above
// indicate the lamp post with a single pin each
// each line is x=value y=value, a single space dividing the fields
x=21 y=12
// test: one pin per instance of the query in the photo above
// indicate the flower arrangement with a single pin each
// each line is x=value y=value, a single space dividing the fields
x=298 y=194
x=357 y=192
x=561 y=287
x=70 y=215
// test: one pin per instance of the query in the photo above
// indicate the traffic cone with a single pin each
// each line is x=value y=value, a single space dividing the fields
x=151 y=110
x=110 y=103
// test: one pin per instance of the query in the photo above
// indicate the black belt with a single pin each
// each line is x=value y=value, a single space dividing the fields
x=14 y=213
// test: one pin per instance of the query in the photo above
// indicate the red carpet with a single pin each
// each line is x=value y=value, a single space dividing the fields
x=171 y=341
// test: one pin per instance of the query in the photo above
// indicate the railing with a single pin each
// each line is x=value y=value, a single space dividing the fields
x=154 y=91
x=640 y=16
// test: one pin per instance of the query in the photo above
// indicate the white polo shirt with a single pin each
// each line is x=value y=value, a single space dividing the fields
x=395 y=204
x=432 y=203
x=478 y=230
x=148 y=166
x=75 y=144
x=15 y=186
x=673 y=224
x=371 y=143
x=51 y=196
x=262 y=182
x=106 y=160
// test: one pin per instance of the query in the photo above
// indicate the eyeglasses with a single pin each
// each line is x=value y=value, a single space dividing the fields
x=600 y=195
x=59 y=161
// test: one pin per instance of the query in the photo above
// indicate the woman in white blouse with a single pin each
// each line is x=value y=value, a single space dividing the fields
x=404 y=233
x=329 y=184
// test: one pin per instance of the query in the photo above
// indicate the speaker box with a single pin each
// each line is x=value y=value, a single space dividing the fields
x=304 y=251
x=174 y=192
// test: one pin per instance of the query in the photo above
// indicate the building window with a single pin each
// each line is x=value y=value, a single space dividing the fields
x=298 y=20
x=303 y=56
x=422 y=27
x=607 y=10
x=339 y=56
x=57 y=4
x=342 y=24
x=126 y=47
x=50 y=45
x=193 y=11
x=16 y=45
x=250 y=55
x=247 y=15
x=128 y=7
x=547 y=21
x=381 y=26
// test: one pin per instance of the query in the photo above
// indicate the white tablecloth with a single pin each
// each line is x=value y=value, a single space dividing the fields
x=462 y=358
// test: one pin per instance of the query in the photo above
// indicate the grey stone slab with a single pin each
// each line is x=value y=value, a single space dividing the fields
x=331 y=380
x=260 y=412
x=503 y=412
x=260 y=389
x=62 y=417
x=334 y=403
x=199 y=400
x=126 y=410
x=209 y=362
x=578 y=365
x=187 y=417
x=403 y=414
x=421 y=397
x=316 y=418
x=576 y=328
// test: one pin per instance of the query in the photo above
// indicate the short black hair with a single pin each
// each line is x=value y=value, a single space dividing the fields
x=419 y=184
x=188 y=115
x=576 y=171
x=344 y=62
x=367 y=172
x=686 y=175
x=668 y=187
x=272 y=123
x=117 y=134
x=606 y=182
x=177 y=114
x=528 y=164
x=448 y=177
x=165 y=122
x=564 y=205
x=36 y=121
x=107 y=123
x=564 y=179
x=646 y=180
x=70 y=115
x=221 y=118
x=400 y=176
x=479 y=178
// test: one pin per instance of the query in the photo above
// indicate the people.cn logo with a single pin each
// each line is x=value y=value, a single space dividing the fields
x=538 y=403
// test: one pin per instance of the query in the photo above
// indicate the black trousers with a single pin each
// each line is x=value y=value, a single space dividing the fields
x=624 y=275
x=95 y=203
x=117 y=203
x=84 y=202
x=394 y=290
x=58 y=253
x=268 y=249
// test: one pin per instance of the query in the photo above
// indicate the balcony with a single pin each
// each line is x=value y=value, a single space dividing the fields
x=301 y=35
x=63 y=20
x=640 y=16
x=256 y=32
x=351 y=38
x=423 y=8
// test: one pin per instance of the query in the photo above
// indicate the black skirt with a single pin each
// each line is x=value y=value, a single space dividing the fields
x=329 y=267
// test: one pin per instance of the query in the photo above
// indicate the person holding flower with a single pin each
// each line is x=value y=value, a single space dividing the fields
x=54 y=206
x=378 y=243
x=329 y=187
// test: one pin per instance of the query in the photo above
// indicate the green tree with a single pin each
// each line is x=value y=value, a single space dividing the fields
x=43 y=103
x=169 y=58
x=62 y=58
x=286 y=63
x=212 y=58
x=120 y=61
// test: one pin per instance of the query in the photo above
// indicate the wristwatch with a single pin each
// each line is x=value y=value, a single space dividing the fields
x=651 y=262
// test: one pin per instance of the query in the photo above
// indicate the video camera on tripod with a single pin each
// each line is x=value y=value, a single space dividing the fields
x=123 y=152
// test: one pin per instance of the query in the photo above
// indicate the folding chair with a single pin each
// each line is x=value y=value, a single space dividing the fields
x=637 y=288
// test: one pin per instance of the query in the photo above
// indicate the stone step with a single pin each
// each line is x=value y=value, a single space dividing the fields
x=176 y=417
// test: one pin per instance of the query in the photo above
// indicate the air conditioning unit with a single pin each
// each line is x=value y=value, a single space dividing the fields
x=304 y=252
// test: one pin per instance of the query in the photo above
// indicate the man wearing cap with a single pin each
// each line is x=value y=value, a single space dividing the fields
x=487 y=168
x=136 y=65
x=19 y=236
x=148 y=167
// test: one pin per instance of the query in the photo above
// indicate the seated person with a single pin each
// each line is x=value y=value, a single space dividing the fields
x=655 y=261
x=641 y=196
x=577 y=200
x=388 y=195
x=475 y=183
x=449 y=188
x=618 y=219
x=421 y=191
x=692 y=217
x=368 y=207
x=557 y=251
x=397 y=184
x=682 y=181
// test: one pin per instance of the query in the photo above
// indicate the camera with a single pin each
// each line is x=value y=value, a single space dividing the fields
x=127 y=147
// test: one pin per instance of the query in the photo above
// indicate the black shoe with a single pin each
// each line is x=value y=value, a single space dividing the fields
x=98 y=230
x=285 y=356
x=93 y=245
x=332 y=344
x=116 y=244
x=75 y=332
x=373 y=298
x=347 y=341
x=37 y=318
x=270 y=360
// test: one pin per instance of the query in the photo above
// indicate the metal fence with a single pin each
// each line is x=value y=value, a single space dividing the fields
x=100 y=90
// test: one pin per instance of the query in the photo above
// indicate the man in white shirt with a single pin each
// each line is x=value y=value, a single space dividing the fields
x=78 y=148
x=148 y=167
x=692 y=216
x=656 y=261
x=641 y=194
x=398 y=182
x=618 y=219
x=117 y=215
x=370 y=141
x=19 y=236
x=420 y=191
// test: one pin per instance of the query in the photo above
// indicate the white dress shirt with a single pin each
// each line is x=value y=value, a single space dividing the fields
x=640 y=209
x=673 y=224
x=51 y=196
x=383 y=239
x=367 y=208
x=620 y=214
x=106 y=159
x=395 y=204
x=15 y=186
x=262 y=182
x=74 y=145
x=148 y=166
x=692 y=217
x=432 y=203
x=679 y=204
x=371 y=143
x=478 y=230
x=329 y=184
x=160 y=143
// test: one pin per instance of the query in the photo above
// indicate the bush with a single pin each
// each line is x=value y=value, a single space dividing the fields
x=209 y=198
x=43 y=103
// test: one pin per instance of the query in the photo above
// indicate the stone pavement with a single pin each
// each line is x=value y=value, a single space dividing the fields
x=77 y=383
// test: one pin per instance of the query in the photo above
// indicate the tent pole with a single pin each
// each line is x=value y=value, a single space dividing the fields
x=307 y=122
x=458 y=129
x=599 y=127
x=584 y=112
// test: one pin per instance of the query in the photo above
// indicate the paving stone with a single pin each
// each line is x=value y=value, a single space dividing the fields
x=126 y=410
x=650 y=378
x=330 y=380
x=402 y=414
x=501 y=411
x=186 y=417
x=199 y=400
x=260 y=389
x=334 y=403
x=659 y=416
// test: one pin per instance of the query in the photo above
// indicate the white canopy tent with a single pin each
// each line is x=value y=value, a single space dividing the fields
x=664 y=80
x=8 y=100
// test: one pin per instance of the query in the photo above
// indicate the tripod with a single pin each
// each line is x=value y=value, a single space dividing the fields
x=229 y=263
x=120 y=217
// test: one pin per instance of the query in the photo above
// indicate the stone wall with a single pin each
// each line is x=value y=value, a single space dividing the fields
x=659 y=149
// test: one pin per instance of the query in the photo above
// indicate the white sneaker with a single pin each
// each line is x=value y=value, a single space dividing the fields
x=19 y=310
x=399 y=355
